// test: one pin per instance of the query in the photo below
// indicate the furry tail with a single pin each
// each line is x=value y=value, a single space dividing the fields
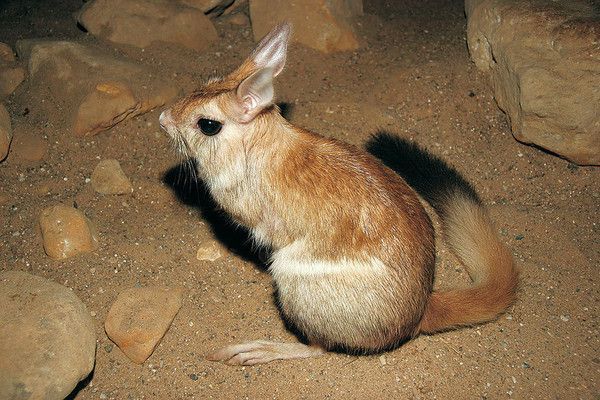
x=467 y=230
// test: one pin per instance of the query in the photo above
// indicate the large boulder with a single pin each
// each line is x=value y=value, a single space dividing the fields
x=47 y=338
x=544 y=62
x=142 y=22
x=324 y=25
x=93 y=87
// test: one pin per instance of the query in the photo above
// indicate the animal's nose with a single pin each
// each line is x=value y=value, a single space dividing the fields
x=165 y=119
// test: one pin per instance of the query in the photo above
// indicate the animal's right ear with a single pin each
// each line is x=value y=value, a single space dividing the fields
x=254 y=94
x=272 y=49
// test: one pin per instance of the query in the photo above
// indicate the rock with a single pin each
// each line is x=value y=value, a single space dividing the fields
x=544 y=62
x=5 y=132
x=66 y=232
x=6 y=53
x=109 y=178
x=209 y=251
x=140 y=317
x=235 y=6
x=11 y=75
x=239 y=19
x=10 y=79
x=104 y=107
x=103 y=89
x=29 y=148
x=47 y=338
x=324 y=25
x=142 y=22
x=207 y=6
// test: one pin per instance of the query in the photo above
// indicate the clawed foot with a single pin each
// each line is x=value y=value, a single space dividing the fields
x=263 y=351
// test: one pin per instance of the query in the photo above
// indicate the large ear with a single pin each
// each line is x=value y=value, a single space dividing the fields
x=254 y=94
x=272 y=49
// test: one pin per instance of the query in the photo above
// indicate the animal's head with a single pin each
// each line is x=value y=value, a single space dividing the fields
x=215 y=122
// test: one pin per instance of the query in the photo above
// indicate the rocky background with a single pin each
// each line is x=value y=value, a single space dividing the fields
x=117 y=273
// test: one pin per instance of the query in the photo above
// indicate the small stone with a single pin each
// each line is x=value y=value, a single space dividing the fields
x=520 y=237
x=103 y=108
x=194 y=377
x=140 y=317
x=565 y=318
x=209 y=251
x=109 y=178
x=47 y=338
x=5 y=132
x=66 y=232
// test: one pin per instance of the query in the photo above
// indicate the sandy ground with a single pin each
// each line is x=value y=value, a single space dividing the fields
x=413 y=77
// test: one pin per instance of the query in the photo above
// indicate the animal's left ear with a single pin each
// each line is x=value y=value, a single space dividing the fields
x=272 y=49
x=254 y=94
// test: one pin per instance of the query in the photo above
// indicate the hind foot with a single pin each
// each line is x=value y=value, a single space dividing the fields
x=263 y=351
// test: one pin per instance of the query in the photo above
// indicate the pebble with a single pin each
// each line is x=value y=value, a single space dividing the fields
x=140 y=317
x=209 y=251
x=66 y=232
x=109 y=178
x=47 y=338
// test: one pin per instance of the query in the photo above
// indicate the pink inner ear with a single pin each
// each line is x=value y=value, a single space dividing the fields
x=271 y=51
x=249 y=102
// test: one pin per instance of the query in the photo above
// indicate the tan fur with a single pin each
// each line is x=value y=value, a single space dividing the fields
x=353 y=248
x=470 y=234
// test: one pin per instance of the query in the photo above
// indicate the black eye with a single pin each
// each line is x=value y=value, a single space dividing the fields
x=209 y=127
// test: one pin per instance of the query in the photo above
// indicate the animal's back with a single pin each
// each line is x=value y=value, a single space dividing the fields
x=358 y=273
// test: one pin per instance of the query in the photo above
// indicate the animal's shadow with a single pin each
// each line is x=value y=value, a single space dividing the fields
x=194 y=193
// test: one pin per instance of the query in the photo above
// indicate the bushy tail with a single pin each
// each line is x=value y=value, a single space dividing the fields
x=467 y=230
